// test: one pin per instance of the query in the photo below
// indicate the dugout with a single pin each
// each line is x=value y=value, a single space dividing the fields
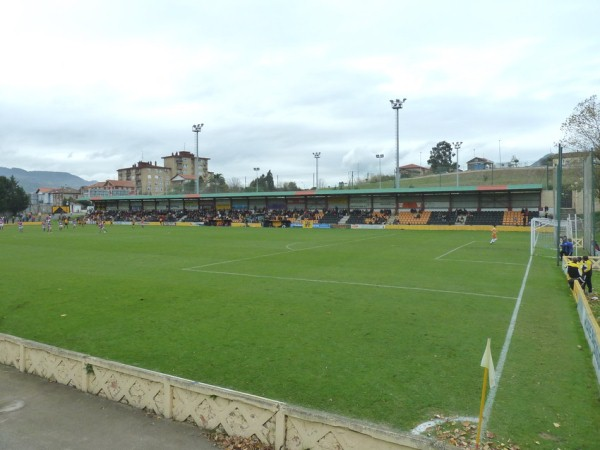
x=475 y=198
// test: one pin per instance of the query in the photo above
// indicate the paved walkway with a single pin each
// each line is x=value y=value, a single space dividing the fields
x=36 y=414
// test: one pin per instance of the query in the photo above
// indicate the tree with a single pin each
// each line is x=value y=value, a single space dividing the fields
x=13 y=197
x=235 y=185
x=440 y=158
x=265 y=183
x=581 y=130
x=218 y=183
x=290 y=186
x=268 y=182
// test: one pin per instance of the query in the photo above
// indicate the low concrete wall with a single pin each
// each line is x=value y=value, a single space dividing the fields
x=209 y=407
x=591 y=329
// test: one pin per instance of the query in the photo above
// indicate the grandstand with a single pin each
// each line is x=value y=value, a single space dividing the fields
x=465 y=205
x=335 y=218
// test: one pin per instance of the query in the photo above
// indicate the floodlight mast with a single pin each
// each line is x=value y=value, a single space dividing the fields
x=379 y=156
x=397 y=105
x=457 y=146
x=196 y=129
x=317 y=155
x=256 y=169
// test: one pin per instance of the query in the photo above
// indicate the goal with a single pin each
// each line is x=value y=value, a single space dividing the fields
x=547 y=234
x=543 y=236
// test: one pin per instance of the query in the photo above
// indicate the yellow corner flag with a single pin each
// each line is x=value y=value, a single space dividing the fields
x=488 y=363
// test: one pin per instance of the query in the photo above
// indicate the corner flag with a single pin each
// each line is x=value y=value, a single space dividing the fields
x=490 y=374
x=488 y=363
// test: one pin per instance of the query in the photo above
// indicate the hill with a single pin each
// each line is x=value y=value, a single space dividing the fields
x=31 y=181
x=517 y=175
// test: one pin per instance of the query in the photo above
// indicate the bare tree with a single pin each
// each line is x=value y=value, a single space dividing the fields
x=581 y=130
x=235 y=185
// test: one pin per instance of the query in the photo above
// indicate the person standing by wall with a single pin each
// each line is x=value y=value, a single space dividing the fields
x=587 y=274
x=574 y=272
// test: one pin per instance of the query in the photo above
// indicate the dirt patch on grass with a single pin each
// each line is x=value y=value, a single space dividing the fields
x=464 y=435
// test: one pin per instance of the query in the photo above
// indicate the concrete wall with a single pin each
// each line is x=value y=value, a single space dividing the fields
x=209 y=407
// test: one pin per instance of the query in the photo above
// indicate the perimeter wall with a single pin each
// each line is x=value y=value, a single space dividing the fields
x=209 y=407
x=591 y=328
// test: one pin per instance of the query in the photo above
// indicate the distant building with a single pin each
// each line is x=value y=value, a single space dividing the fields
x=43 y=199
x=572 y=159
x=109 y=188
x=478 y=163
x=148 y=178
x=413 y=170
x=183 y=163
x=179 y=180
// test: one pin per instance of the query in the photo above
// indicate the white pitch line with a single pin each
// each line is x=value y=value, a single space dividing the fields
x=453 y=250
x=289 y=250
x=423 y=427
x=236 y=260
x=485 y=262
x=500 y=367
x=349 y=283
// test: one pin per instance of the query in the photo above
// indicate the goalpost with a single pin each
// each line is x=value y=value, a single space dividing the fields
x=543 y=235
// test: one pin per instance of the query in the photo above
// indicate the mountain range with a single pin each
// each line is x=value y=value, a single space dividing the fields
x=32 y=181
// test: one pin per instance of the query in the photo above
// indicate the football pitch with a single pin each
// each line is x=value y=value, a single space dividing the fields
x=385 y=326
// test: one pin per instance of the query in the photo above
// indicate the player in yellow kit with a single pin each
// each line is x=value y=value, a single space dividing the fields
x=494 y=234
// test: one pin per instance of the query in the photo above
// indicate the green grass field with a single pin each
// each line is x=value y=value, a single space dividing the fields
x=385 y=326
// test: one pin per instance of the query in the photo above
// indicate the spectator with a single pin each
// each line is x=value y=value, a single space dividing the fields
x=587 y=274
x=574 y=273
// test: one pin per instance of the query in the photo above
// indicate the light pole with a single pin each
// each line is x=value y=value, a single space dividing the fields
x=397 y=105
x=456 y=146
x=317 y=155
x=499 y=153
x=256 y=169
x=196 y=129
x=379 y=156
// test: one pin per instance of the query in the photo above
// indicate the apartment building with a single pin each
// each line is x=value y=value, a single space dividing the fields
x=148 y=178
x=182 y=163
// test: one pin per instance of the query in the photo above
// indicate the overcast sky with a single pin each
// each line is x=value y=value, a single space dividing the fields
x=89 y=87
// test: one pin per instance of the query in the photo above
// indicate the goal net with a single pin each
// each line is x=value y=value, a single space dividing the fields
x=575 y=233
x=544 y=235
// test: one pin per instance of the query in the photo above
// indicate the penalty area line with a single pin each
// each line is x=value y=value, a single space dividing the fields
x=350 y=283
